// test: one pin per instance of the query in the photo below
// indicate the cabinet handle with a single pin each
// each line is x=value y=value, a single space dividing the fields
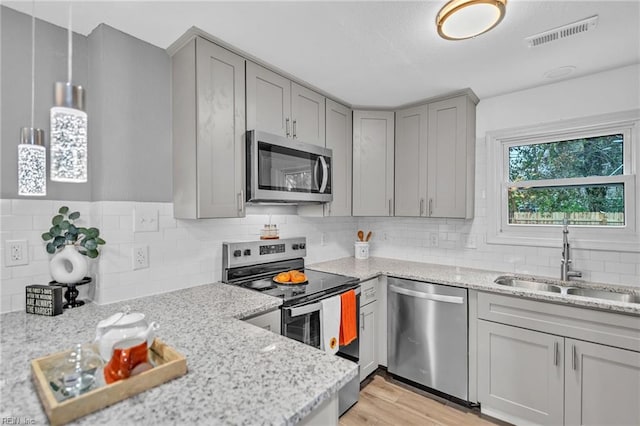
x=241 y=201
x=287 y=126
x=574 y=356
x=362 y=315
x=421 y=206
x=555 y=353
x=294 y=128
x=430 y=206
x=390 y=207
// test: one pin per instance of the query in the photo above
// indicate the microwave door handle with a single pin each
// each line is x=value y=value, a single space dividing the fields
x=325 y=174
x=315 y=172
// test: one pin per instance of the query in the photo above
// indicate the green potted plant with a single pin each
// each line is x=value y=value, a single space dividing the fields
x=70 y=244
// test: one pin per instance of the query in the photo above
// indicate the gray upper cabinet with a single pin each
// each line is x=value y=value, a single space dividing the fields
x=277 y=105
x=307 y=115
x=208 y=131
x=373 y=173
x=411 y=154
x=435 y=158
x=268 y=101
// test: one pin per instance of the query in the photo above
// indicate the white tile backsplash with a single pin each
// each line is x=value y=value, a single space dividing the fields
x=184 y=253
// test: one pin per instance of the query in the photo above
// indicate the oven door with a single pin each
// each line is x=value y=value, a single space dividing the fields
x=302 y=323
x=287 y=171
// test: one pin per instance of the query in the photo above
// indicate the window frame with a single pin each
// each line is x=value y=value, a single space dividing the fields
x=623 y=238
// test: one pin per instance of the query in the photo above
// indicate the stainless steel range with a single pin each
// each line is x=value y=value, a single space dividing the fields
x=253 y=264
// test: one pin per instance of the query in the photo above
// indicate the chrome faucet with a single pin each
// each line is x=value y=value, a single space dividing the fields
x=565 y=266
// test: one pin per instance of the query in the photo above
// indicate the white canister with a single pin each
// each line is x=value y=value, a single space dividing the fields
x=362 y=250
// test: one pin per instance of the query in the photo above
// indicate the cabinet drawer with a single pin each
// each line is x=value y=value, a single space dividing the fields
x=369 y=291
x=607 y=328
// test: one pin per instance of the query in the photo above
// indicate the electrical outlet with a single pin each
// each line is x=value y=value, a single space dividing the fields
x=145 y=219
x=16 y=253
x=433 y=239
x=140 y=257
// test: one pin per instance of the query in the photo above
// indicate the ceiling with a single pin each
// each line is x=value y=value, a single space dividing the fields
x=379 y=54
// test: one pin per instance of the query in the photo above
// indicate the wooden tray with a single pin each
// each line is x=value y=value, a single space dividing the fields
x=169 y=364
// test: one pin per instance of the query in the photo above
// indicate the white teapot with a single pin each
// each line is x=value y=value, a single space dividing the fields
x=121 y=326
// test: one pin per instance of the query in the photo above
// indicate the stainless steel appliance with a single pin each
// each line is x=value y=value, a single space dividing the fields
x=281 y=170
x=427 y=335
x=253 y=264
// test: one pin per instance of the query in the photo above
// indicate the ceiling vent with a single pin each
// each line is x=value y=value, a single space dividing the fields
x=564 y=31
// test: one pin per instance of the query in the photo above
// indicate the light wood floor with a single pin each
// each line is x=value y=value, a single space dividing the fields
x=384 y=402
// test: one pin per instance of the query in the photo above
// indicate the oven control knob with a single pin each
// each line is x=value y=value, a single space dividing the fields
x=247 y=252
x=237 y=253
x=303 y=246
x=294 y=246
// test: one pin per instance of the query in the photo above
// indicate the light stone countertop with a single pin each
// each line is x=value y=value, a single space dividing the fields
x=475 y=279
x=229 y=379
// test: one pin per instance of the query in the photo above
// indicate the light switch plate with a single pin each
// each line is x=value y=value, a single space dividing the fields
x=145 y=219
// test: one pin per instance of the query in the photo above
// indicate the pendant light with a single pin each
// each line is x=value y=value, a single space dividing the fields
x=462 y=19
x=32 y=155
x=69 y=127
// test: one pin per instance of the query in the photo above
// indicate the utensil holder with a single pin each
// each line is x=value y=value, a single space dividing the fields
x=362 y=250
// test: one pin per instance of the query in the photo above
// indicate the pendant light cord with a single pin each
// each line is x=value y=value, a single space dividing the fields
x=33 y=61
x=70 y=45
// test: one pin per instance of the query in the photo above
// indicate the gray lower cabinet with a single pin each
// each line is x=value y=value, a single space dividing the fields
x=368 y=336
x=208 y=131
x=546 y=363
x=602 y=385
x=520 y=374
x=373 y=165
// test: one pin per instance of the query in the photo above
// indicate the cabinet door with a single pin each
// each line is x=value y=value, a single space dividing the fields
x=368 y=344
x=410 y=156
x=447 y=158
x=520 y=374
x=602 y=385
x=373 y=163
x=308 y=115
x=339 y=139
x=268 y=101
x=220 y=131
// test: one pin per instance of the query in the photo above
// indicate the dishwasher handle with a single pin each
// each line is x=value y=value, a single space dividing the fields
x=428 y=296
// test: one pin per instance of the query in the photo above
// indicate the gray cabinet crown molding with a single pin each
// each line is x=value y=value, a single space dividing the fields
x=194 y=32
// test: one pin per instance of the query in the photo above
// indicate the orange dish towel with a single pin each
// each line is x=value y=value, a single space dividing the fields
x=348 y=326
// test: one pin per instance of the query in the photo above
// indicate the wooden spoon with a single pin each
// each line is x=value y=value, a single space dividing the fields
x=368 y=236
x=360 y=235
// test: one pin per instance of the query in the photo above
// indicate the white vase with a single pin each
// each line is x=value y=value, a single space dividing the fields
x=68 y=266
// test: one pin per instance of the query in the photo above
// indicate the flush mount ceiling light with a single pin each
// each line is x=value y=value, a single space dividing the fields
x=462 y=19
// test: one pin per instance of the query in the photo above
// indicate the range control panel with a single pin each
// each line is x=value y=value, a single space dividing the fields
x=261 y=251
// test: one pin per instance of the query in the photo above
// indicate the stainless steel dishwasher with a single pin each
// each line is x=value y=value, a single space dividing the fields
x=427 y=339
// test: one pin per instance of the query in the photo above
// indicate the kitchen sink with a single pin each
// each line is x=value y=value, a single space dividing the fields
x=573 y=291
x=528 y=285
x=602 y=294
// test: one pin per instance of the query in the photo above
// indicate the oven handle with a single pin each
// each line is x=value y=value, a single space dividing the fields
x=297 y=311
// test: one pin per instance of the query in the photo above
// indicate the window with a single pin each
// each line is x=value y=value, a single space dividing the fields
x=577 y=180
x=583 y=174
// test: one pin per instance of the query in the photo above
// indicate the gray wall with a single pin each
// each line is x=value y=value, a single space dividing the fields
x=128 y=86
x=15 y=73
x=130 y=116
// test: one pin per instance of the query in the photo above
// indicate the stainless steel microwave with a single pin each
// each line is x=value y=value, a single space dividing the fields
x=282 y=170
